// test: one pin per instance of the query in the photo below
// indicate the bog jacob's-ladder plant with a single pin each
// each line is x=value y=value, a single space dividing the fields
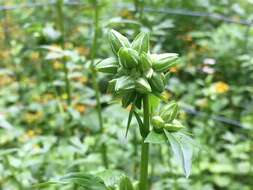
x=139 y=78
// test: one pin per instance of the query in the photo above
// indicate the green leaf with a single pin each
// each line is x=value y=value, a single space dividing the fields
x=125 y=184
x=111 y=177
x=85 y=180
x=154 y=102
x=140 y=123
x=81 y=179
x=8 y=151
x=156 y=138
x=182 y=148
x=130 y=118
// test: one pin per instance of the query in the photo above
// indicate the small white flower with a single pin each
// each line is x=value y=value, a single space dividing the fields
x=209 y=61
x=208 y=70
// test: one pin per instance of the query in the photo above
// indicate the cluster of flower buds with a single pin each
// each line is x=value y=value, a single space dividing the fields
x=135 y=70
x=166 y=119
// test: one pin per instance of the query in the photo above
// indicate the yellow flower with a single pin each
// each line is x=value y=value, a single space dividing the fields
x=80 y=108
x=81 y=79
x=173 y=69
x=83 y=51
x=57 y=65
x=30 y=133
x=221 y=87
x=34 y=56
x=46 y=98
x=167 y=95
x=5 y=54
x=33 y=117
x=64 y=96
x=68 y=45
x=187 y=38
x=5 y=80
x=126 y=14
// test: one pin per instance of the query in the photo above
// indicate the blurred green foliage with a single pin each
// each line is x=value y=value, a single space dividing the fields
x=42 y=137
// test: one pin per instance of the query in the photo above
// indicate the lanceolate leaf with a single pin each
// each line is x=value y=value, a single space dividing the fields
x=125 y=184
x=182 y=149
x=130 y=116
x=85 y=180
x=111 y=177
x=156 y=138
x=140 y=123
x=81 y=179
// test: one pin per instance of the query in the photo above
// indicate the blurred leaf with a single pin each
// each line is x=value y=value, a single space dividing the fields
x=183 y=151
x=156 y=138
x=125 y=184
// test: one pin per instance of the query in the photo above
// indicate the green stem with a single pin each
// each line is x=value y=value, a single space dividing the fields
x=104 y=155
x=6 y=28
x=135 y=153
x=95 y=83
x=145 y=146
x=62 y=30
x=136 y=6
x=92 y=66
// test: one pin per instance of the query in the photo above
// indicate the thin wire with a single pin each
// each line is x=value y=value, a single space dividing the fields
x=199 y=14
x=22 y=6
x=214 y=117
x=37 y=5
x=182 y=12
x=185 y=12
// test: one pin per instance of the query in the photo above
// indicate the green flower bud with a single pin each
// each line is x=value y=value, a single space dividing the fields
x=169 y=112
x=141 y=42
x=157 y=123
x=134 y=73
x=117 y=41
x=109 y=65
x=124 y=84
x=162 y=62
x=174 y=126
x=148 y=74
x=128 y=57
x=122 y=71
x=145 y=62
x=142 y=86
x=156 y=82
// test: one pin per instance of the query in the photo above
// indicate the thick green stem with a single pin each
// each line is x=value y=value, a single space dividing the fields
x=145 y=146
x=62 y=30
x=135 y=143
x=94 y=81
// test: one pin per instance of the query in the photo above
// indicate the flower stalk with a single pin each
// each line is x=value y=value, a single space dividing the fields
x=60 y=14
x=103 y=147
x=145 y=146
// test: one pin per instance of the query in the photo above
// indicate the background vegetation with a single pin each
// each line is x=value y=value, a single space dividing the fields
x=48 y=119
